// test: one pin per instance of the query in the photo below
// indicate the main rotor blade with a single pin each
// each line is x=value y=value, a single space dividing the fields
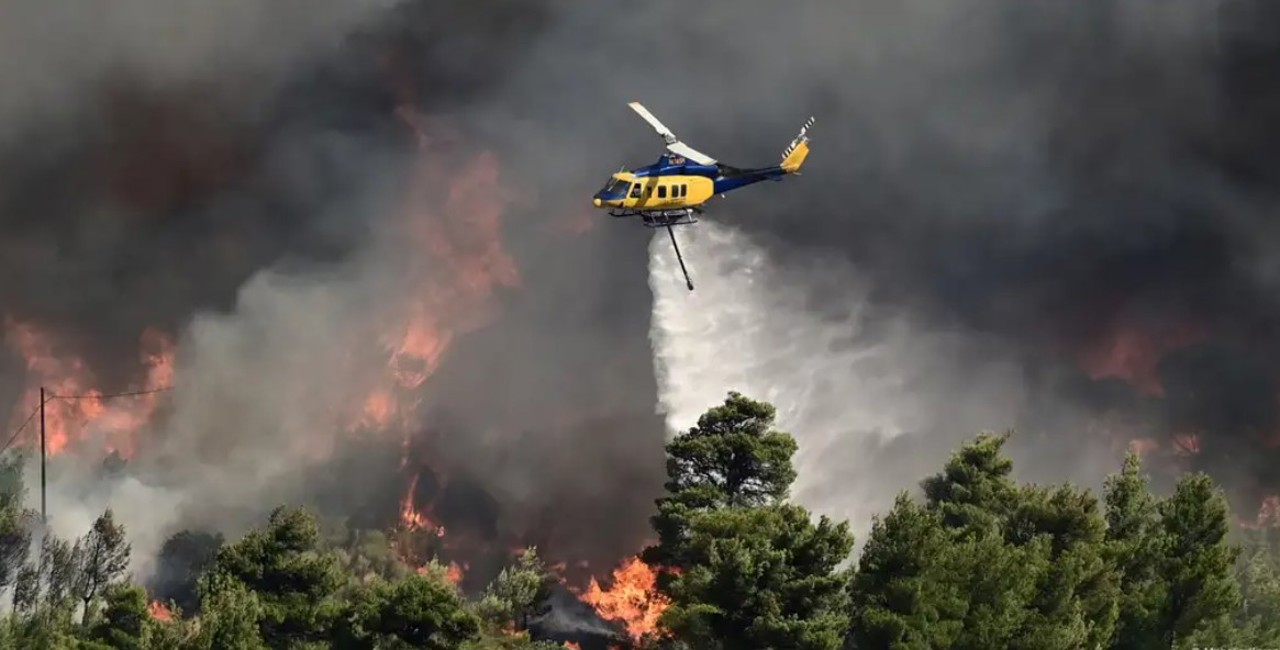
x=682 y=149
x=667 y=135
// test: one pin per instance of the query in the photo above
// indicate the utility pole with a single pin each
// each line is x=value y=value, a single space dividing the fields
x=44 y=511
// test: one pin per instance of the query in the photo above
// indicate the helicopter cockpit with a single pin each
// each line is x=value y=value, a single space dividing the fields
x=614 y=189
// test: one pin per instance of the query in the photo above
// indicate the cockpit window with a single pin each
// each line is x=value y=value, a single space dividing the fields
x=616 y=186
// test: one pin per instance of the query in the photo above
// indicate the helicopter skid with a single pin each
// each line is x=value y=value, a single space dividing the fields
x=661 y=218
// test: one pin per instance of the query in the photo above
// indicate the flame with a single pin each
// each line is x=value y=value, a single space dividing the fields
x=1186 y=444
x=1144 y=446
x=572 y=646
x=633 y=600
x=1268 y=515
x=455 y=573
x=458 y=227
x=413 y=519
x=73 y=403
x=159 y=611
x=1269 y=512
x=1134 y=356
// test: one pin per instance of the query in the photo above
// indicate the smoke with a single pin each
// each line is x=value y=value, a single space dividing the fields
x=56 y=58
x=1052 y=218
x=1001 y=199
x=296 y=194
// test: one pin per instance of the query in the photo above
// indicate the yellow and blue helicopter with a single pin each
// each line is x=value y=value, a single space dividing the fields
x=674 y=189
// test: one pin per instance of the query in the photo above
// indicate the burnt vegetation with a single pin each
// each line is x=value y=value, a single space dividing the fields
x=975 y=560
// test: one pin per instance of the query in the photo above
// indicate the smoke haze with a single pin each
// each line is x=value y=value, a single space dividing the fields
x=1054 y=218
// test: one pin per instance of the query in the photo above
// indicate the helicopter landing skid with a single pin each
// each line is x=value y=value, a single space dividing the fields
x=660 y=218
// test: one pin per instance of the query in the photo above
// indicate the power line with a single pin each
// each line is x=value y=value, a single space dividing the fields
x=45 y=398
x=34 y=413
x=49 y=397
x=111 y=395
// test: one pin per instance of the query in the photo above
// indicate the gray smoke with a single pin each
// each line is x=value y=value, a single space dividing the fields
x=997 y=189
x=275 y=212
x=998 y=192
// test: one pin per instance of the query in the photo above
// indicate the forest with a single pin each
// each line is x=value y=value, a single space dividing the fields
x=972 y=560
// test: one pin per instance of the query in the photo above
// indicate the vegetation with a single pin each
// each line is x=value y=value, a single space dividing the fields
x=974 y=561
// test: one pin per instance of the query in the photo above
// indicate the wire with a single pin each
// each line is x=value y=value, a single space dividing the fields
x=49 y=397
x=93 y=396
x=23 y=426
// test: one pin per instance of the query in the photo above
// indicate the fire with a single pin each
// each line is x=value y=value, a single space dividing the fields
x=633 y=600
x=413 y=519
x=1186 y=444
x=73 y=403
x=572 y=646
x=159 y=611
x=1268 y=515
x=455 y=573
x=1134 y=356
x=1144 y=446
x=1269 y=512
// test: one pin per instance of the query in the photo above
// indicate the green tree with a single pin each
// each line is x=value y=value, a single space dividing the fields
x=520 y=593
x=1136 y=544
x=296 y=584
x=732 y=458
x=1198 y=565
x=1259 y=577
x=741 y=567
x=231 y=615
x=181 y=561
x=922 y=585
x=424 y=612
x=100 y=558
x=986 y=563
x=53 y=579
x=974 y=491
x=903 y=596
x=762 y=577
x=124 y=619
x=15 y=521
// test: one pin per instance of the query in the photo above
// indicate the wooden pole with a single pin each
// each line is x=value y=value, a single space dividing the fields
x=44 y=510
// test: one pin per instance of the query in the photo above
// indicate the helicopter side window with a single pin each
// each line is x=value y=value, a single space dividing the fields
x=662 y=191
x=635 y=191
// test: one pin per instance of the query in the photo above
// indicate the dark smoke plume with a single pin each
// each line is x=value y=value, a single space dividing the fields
x=248 y=205
x=1001 y=196
x=1070 y=207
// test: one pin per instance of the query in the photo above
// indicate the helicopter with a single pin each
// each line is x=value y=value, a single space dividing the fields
x=671 y=191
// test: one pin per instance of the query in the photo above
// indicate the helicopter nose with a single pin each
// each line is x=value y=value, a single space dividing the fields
x=597 y=202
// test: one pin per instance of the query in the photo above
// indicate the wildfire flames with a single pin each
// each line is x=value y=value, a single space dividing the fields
x=632 y=599
x=74 y=405
x=1134 y=356
x=159 y=611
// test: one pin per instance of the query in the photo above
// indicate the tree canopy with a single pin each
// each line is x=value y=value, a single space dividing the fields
x=972 y=560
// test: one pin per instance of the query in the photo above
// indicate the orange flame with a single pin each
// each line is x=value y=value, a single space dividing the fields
x=572 y=646
x=72 y=401
x=159 y=611
x=1144 y=446
x=1186 y=444
x=1134 y=356
x=633 y=600
x=413 y=519
x=455 y=573
x=459 y=227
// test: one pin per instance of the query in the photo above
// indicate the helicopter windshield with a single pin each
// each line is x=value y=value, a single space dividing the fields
x=615 y=186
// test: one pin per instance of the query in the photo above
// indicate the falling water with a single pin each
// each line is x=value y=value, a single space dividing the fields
x=872 y=402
